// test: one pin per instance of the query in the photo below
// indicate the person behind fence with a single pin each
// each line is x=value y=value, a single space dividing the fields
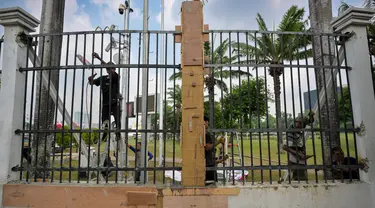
x=338 y=158
x=138 y=156
x=222 y=157
x=109 y=85
x=296 y=147
x=211 y=175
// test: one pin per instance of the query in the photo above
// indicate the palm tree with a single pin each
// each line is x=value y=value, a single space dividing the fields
x=271 y=49
x=217 y=74
x=175 y=99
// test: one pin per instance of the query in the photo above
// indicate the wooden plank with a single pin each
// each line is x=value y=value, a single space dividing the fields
x=192 y=33
x=206 y=36
x=178 y=37
x=195 y=201
x=142 y=198
x=65 y=196
x=202 y=192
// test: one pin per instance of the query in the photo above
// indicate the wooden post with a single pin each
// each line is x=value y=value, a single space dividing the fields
x=192 y=58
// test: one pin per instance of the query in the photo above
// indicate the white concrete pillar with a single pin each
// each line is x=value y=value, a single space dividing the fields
x=355 y=21
x=15 y=21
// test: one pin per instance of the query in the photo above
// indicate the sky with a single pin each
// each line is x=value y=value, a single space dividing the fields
x=86 y=15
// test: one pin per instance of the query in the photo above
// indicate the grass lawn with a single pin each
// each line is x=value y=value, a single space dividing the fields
x=265 y=149
x=264 y=153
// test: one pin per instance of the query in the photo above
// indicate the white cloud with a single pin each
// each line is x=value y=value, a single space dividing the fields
x=171 y=14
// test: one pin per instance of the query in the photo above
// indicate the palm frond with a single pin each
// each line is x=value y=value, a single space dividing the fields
x=250 y=51
x=221 y=85
x=301 y=55
x=343 y=7
x=225 y=74
x=292 y=22
x=177 y=76
x=263 y=42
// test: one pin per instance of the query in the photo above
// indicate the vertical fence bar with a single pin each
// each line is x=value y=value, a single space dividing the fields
x=31 y=108
x=28 y=44
x=222 y=107
x=310 y=104
x=342 y=104
x=176 y=117
x=157 y=116
x=165 y=107
x=232 y=134
x=71 y=110
x=128 y=100
x=137 y=171
x=38 y=113
x=334 y=88
x=55 y=123
x=90 y=118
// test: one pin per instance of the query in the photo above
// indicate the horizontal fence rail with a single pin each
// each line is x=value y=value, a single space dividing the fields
x=86 y=119
x=277 y=110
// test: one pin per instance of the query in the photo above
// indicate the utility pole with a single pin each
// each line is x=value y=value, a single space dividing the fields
x=143 y=176
x=52 y=21
x=162 y=80
x=320 y=18
x=124 y=89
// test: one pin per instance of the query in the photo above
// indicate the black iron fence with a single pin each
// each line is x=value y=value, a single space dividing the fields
x=371 y=45
x=1 y=44
x=85 y=116
x=277 y=109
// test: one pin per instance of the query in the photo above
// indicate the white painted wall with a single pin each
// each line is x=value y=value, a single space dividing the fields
x=305 y=196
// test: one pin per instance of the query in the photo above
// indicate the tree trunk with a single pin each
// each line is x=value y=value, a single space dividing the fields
x=52 y=21
x=277 y=91
x=320 y=17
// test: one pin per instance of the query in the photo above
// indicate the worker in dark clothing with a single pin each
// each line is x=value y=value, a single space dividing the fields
x=109 y=85
x=346 y=173
x=211 y=175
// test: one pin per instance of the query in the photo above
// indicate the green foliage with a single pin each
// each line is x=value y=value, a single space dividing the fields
x=170 y=116
x=244 y=102
x=218 y=117
x=64 y=141
x=271 y=48
x=174 y=95
x=345 y=107
x=92 y=137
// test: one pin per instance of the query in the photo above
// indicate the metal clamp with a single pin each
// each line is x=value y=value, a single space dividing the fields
x=361 y=129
